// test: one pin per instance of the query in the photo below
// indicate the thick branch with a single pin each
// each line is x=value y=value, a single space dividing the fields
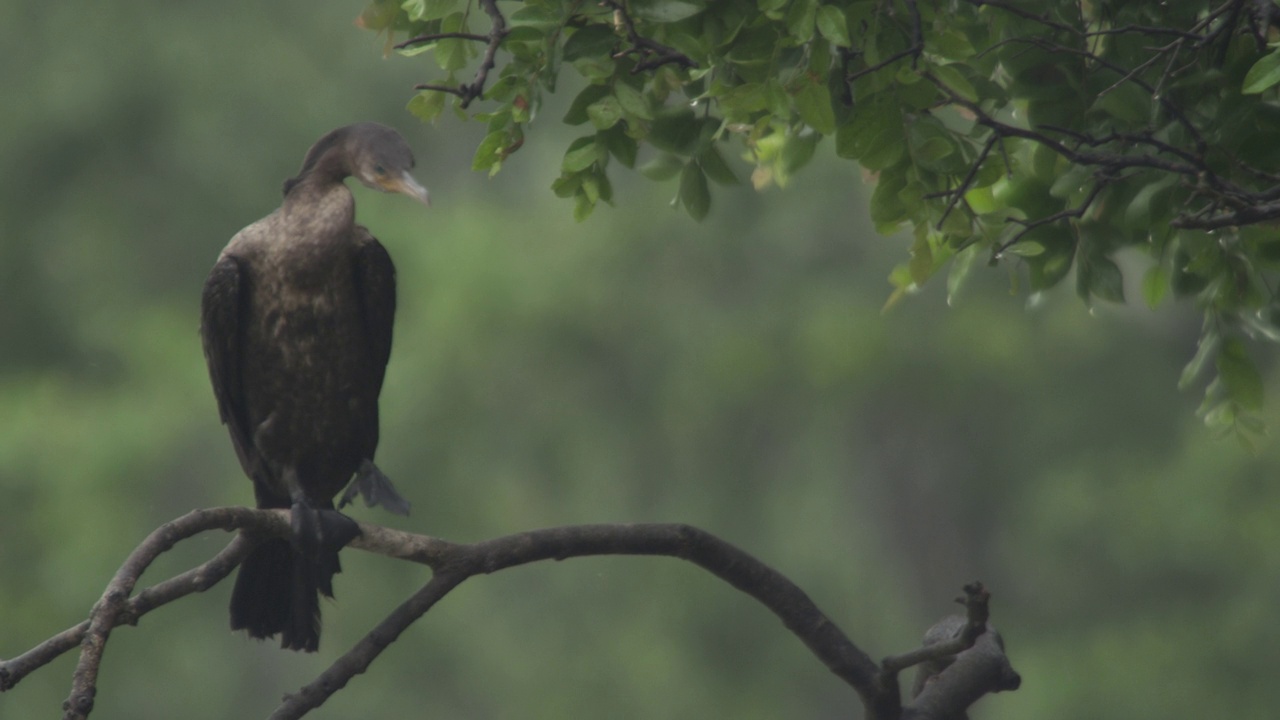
x=739 y=569
x=452 y=564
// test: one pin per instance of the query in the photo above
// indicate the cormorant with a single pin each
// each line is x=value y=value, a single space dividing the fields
x=296 y=323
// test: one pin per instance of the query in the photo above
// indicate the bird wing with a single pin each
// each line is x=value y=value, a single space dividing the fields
x=221 y=308
x=375 y=280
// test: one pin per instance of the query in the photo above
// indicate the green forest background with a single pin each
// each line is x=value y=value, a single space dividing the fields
x=736 y=374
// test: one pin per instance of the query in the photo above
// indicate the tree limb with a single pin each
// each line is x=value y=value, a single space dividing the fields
x=453 y=563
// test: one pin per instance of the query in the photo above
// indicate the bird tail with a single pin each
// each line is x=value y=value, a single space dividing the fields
x=278 y=591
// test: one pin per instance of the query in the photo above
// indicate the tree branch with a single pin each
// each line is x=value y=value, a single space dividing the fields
x=453 y=563
x=467 y=92
x=654 y=53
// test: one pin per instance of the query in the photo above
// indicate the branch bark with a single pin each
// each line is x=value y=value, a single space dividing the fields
x=453 y=563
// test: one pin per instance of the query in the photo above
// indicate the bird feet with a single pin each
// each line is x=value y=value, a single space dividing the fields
x=317 y=536
x=376 y=488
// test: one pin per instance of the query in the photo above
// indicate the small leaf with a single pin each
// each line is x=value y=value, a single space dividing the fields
x=427 y=105
x=581 y=154
x=694 y=193
x=1240 y=376
x=961 y=268
x=577 y=113
x=1155 y=284
x=632 y=101
x=948 y=75
x=717 y=170
x=489 y=152
x=1263 y=75
x=813 y=102
x=800 y=19
x=798 y=150
x=1026 y=249
x=833 y=26
x=605 y=112
x=1098 y=276
x=981 y=200
x=590 y=41
x=620 y=145
x=663 y=167
x=664 y=11
x=676 y=132
x=1208 y=348
x=921 y=263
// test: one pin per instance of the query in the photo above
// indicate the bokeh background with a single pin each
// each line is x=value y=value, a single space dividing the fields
x=736 y=374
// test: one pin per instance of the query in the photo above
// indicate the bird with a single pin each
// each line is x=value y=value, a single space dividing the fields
x=296 y=322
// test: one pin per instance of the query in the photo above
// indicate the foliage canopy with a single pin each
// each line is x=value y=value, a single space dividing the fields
x=1048 y=135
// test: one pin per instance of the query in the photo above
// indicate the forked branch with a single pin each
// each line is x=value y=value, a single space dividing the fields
x=452 y=563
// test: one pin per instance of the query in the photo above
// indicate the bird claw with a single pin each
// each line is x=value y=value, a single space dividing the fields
x=376 y=489
x=320 y=533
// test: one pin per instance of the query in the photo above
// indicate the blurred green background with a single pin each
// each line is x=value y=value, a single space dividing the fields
x=737 y=375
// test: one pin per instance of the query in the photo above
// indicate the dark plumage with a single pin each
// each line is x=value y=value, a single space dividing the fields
x=296 y=323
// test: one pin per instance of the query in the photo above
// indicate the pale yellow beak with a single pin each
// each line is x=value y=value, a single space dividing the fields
x=405 y=184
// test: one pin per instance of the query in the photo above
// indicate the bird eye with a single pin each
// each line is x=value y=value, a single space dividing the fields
x=379 y=170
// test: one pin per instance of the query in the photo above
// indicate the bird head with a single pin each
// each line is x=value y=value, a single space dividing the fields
x=382 y=161
x=374 y=154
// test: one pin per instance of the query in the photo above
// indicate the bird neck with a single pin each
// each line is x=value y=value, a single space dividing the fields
x=316 y=206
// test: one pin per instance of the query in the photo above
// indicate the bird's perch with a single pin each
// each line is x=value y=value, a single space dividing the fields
x=966 y=658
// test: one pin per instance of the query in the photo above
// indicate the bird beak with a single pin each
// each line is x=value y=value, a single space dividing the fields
x=406 y=185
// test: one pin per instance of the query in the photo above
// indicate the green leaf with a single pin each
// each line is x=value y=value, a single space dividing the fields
x=950 y=44
x=581 y=154
x=535 y=16
x=1100 y=277
x=981 y=200
x=1209 y=344
x=886 y=205
x=716 y=168
x=1155 y=284
x=695 y=195
x=577 y=113
x=813 y=101
x=675 y=132
x=620 y=145
x=590 y=41
x=489 y=153
x=950 y=76
x=427 y=105
x=798 y=150
x=886 y=148
x=664 y=11
x=451 y=54
x=1263 y=75
x=800 y=19
x=605 y=112
x=429 y=9
x=1240 y=376
x=961 y=267
x=833 y=26
x=1026 y=249
x=847 y=144
x=921 y=263
x=663 y=167
x=1127 y=102
x=632 y=101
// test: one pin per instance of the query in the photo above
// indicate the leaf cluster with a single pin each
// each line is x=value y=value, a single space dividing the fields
x=1049 y=136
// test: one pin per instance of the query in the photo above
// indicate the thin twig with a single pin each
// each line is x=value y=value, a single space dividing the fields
x=432 y=37
x=654 y=54
x=467 y=92
x=198 y=579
